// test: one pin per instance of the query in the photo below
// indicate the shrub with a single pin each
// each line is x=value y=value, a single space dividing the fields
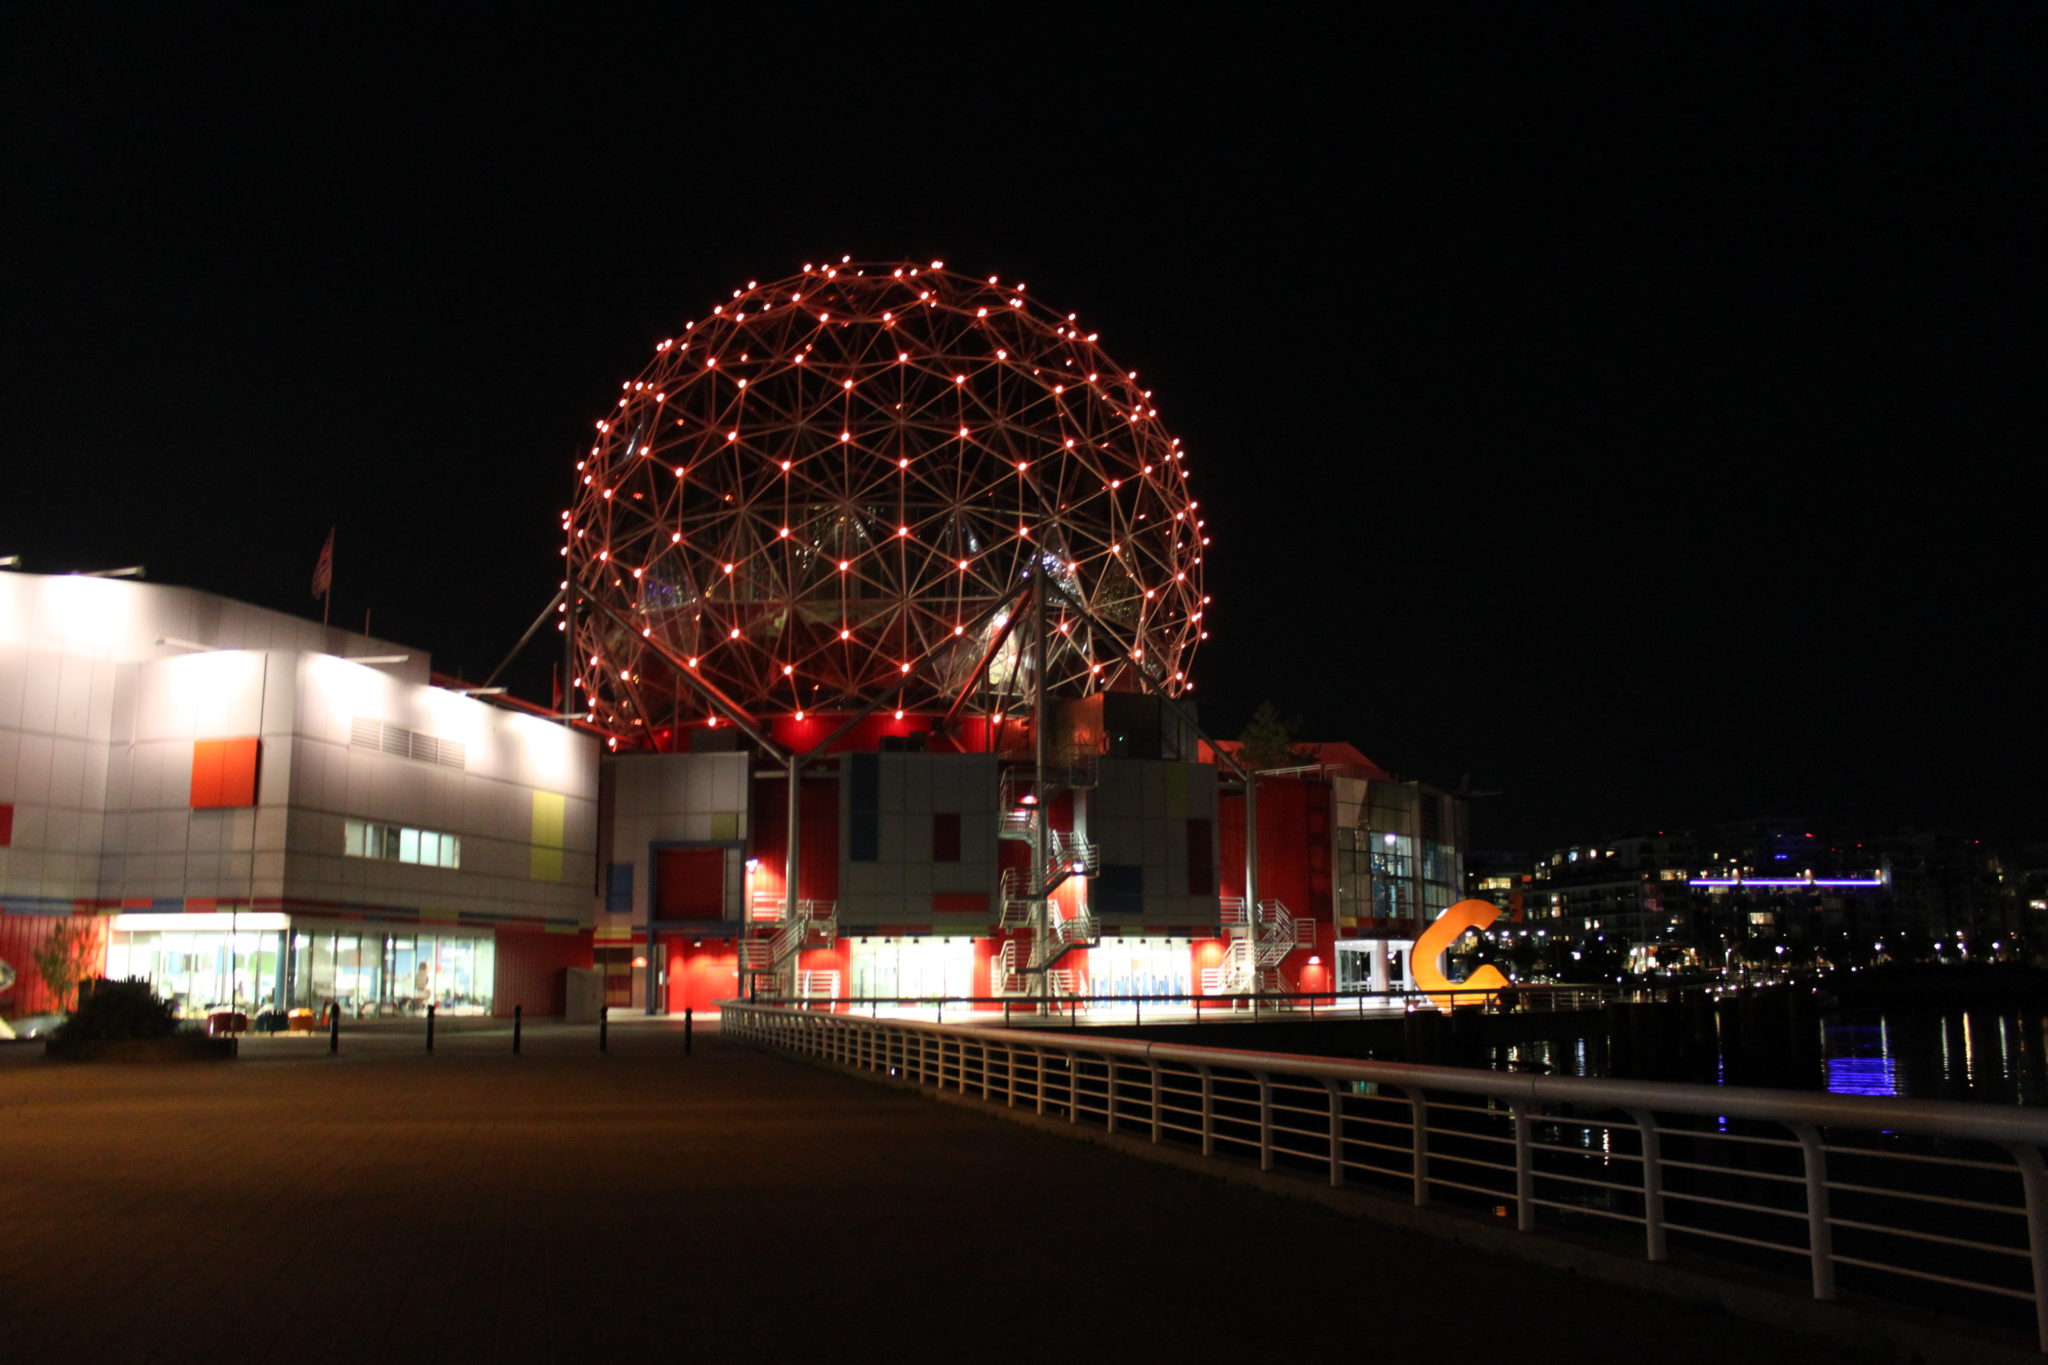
x=119 y=1009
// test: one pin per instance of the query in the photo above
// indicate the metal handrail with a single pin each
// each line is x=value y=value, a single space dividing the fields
x=1532 y=999
x=1786 y=1171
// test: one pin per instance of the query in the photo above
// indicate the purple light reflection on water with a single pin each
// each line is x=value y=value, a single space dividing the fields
x=1862 y=1076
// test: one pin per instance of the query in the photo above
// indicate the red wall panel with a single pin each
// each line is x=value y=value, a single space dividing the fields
x=530 y=967
x=818 y=856
x=20 y=936
x=700 y=977
x=1294 y=858
x=689 y=883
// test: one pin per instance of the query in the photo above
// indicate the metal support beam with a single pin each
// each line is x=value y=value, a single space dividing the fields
x=531 y=630
x=1041 y=753
x=790 y=844
x=724 y=705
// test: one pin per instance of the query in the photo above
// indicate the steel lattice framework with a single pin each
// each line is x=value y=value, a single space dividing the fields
x=820 y=495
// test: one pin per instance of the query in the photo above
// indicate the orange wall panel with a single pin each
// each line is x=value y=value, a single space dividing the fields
x=224 y=773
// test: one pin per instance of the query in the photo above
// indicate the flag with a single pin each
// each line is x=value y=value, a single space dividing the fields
x=323 y=568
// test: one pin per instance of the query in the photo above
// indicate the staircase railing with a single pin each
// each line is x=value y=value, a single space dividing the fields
x=772 y=943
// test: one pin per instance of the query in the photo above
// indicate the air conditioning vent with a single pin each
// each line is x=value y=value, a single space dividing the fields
x=400 y=742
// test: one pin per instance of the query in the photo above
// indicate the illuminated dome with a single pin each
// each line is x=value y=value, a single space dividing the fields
x=822 y=494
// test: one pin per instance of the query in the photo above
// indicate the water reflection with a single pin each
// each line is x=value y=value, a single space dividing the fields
x=1858 y=1059
x=1985 y=1055
x=1968 y=1054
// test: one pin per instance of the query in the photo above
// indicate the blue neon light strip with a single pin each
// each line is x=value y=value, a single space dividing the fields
x=1785 y=881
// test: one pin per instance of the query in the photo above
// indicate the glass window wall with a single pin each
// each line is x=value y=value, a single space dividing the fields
x=255 y=962
x=1140 y=966
x=913 y=968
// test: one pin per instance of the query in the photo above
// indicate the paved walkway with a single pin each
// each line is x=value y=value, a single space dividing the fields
x=384 y=1205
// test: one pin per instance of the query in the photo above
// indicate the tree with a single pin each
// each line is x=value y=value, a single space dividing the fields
x=1268 y=740
x=64 y=957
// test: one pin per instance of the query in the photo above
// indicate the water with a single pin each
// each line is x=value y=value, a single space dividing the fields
x=1984 y=1055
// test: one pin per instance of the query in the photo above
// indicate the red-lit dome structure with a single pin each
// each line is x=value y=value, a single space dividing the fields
x=824 y=493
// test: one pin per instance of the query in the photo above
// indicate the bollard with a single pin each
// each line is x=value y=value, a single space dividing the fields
x=604 y=1024
x=430 y=1026
x=333 y=1029
x=689 y=1023
x=518 y=1017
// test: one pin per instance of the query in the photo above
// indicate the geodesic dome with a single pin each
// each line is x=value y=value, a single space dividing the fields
x=822 y=494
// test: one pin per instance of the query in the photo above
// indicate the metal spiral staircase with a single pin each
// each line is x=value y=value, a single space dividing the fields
x=768 y=953
x=1257 y=943
x=1040 y=935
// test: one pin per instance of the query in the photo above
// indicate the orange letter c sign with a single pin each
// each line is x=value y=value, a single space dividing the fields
x=1425 y=963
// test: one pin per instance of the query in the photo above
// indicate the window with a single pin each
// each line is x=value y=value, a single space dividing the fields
x=423 y=847
x=945 y=838
x=1202 y=858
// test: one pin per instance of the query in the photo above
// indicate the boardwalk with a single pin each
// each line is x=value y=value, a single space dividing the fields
x=566 y=1206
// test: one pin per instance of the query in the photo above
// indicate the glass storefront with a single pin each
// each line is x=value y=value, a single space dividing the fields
x=260 y=961
x=912 y=967
x=1366 y=965
x=1140 y=966
x=201 y=962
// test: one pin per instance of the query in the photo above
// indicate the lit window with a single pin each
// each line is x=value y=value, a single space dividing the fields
x=396 y=843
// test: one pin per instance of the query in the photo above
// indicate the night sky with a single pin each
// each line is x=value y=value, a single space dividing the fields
x=1637 y=411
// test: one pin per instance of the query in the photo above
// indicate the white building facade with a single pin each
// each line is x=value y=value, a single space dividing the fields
x=250 y=809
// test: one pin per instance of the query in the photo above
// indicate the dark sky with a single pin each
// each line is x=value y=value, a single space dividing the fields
x=1636 y=410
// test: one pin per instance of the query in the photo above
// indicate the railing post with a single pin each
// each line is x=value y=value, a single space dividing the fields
x=1819 y=1233
x=518 y=1018
x=1653 y=1183
x=333 y=1029
x=1336 y=1132
x=604 y=1028
x=1418 y=1121
x=430 y=1026
x=689 y=1028
x=1525 y=1169
x=1157 y=1119
x=1265 y=1122
x=1208 y=1112
x=1109 y=1089
x=2034 y=1180
x=1038 y=1054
